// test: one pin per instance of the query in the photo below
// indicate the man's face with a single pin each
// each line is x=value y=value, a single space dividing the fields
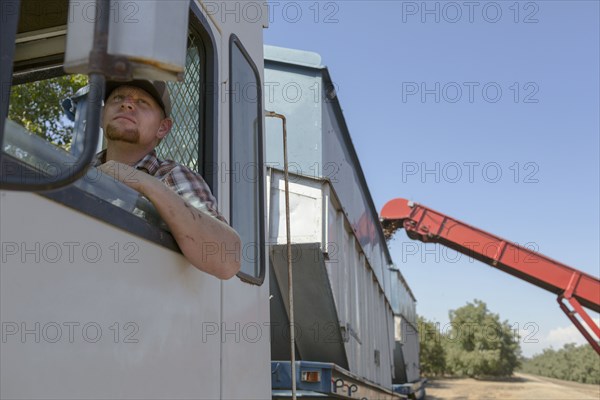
x=132 y=115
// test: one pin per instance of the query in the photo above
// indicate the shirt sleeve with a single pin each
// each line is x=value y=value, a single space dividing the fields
x=194 y=190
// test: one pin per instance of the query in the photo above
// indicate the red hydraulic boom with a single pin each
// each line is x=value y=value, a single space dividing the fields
x=576 y=287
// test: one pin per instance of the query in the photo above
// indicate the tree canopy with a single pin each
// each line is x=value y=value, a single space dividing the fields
x=432 y=353
x=477 y=344
x=573 y=363
x=37 y=107
x=480 y=344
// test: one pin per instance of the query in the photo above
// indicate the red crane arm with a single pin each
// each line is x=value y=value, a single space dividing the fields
x=427 y=225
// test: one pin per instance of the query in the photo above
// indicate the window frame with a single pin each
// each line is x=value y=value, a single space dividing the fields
x=8 y=32
x=234 y=40
x=208 y=145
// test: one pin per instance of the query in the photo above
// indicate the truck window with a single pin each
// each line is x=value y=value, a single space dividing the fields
x=246 y=170
x=41 y=137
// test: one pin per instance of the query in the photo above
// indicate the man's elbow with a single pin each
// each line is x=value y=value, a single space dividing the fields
x=221 y=270
x=220 y=264
x=219 y=259
x=229 y=270
x=232 y=260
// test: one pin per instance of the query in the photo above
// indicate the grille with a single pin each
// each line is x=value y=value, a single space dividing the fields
x=181 y=144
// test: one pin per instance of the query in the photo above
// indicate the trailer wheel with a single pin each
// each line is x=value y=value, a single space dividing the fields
x=418 y=395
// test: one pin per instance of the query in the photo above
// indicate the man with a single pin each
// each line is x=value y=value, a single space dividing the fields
x=136 y=118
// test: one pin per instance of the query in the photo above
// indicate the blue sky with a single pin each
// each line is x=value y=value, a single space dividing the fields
x=517 y=87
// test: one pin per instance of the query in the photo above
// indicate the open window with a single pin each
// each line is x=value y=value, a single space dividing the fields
x=42 y=129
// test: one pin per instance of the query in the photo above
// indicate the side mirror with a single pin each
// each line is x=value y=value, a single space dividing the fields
x=147 y=39
x=75 y=108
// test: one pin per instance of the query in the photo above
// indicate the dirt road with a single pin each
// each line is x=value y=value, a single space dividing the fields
x=521 y=387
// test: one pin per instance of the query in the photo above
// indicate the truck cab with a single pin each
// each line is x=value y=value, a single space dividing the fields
x=97 y=300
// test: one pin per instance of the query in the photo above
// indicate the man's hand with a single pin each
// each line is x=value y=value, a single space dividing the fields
x=123 y=173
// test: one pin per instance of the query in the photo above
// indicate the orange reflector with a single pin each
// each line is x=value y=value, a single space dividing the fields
x=311 y=376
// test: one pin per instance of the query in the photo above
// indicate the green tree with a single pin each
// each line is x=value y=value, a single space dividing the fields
x=432 y=354
x=479 y=344
x=573 y=363
x=37 y=107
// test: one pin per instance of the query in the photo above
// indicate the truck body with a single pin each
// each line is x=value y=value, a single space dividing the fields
x=97 y=301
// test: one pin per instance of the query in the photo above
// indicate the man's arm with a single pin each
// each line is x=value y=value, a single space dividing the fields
x=194 y=231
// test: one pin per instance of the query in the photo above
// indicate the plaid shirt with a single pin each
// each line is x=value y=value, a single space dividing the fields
x=186 y=183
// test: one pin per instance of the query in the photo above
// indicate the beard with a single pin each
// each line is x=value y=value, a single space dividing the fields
x=131 y=135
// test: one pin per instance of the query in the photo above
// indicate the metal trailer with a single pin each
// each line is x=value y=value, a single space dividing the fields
x=352 y=307
x=320 y=379
x=96 y=299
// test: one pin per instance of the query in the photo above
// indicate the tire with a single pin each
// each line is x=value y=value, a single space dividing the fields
x=418 y=395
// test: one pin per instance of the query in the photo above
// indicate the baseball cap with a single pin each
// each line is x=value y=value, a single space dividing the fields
x=157 y=89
